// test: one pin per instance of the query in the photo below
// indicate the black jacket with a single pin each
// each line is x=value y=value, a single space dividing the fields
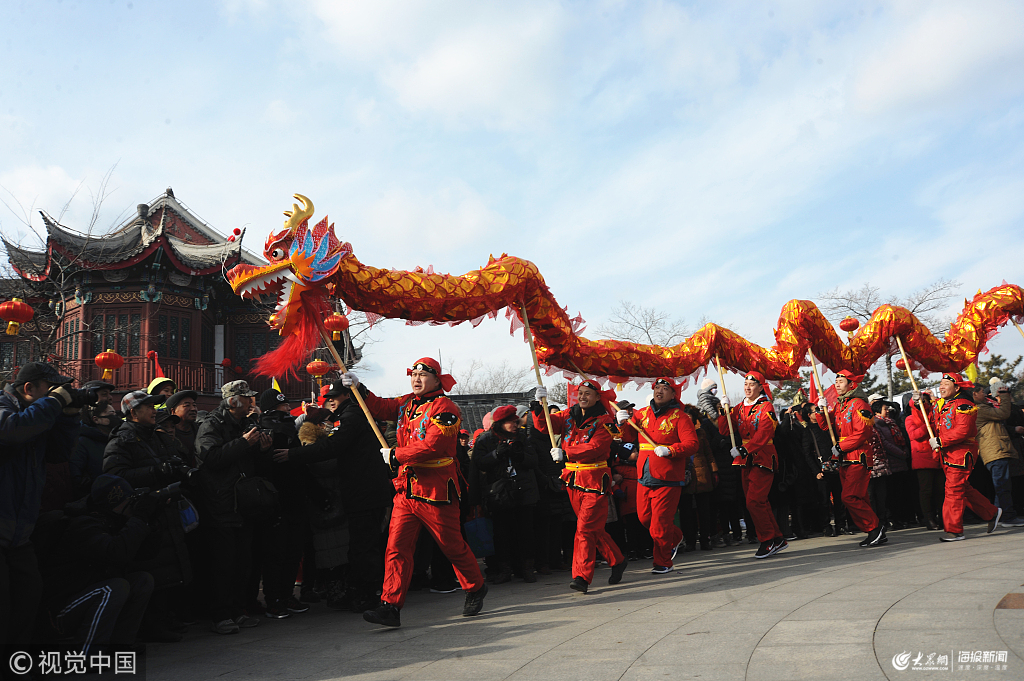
x=353 y=445
x=494 y=455
x=223 y=456
x=80 y=546
x=135 y=452
x=291 y=480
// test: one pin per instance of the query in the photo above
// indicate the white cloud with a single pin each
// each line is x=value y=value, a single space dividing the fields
x=951 y=50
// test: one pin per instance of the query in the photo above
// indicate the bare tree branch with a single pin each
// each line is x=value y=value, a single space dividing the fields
x=482 y=379
x=647 y=325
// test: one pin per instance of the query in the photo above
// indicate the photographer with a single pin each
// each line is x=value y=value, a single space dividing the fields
x=98 y=422
x=354 y=452
x=226 y=446
x=507 y=459
x=91 y=592
x=39 y=421
x=183 y=405
x=136 y=451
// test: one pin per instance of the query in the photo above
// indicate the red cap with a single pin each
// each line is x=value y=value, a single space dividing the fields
x=431 y=365
x=850 y=376
x=758 y=378
x=603 y=395
x=958 y=380
x=503 y=413
x=670 y=383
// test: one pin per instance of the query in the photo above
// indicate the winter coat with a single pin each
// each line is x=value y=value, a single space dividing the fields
x=708 y=403
x=890 y=456
x=135 y=452
x=993 y=440
x=817 y=446
x=921 y=453
x=705 y=468
x=799 y=474
x=223 y=457
x=353 y=445
x=548 y=473
x=87 y=457
x=494 y=454
x=30 y=435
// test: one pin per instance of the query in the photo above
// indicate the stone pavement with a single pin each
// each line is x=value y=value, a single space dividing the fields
x=824 y=609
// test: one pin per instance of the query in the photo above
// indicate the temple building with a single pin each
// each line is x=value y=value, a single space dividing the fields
x=154 y=284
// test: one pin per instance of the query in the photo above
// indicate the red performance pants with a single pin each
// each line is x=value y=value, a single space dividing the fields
x=591 y=516
x=442 y=522
x=757 y=482
x=958 y=493
x=656 y=507
x=855 y=496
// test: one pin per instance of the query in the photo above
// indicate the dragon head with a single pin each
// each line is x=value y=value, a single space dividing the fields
x=301 y=260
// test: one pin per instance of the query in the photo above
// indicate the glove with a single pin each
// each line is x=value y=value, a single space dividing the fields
x=89 y=396
x=541 y=393
x=837 y=453
x=557 y=455
x=621 y=416
x=385 y=452
x=663 y=452
x=66 y=395
x=164 y=471
x=822 y=403
x=725 y=402
x=935 y=443
x=349 y=380
x=146 y=506
x=917 y=396
x=737 y=452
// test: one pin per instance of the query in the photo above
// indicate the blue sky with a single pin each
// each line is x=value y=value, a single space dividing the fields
x=709 y=159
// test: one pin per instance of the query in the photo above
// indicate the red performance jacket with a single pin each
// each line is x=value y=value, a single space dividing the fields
x=428 y=432
x=587 y=447
x=855 y=424
x=755 y=425
x=956 y=426
x=672 y=429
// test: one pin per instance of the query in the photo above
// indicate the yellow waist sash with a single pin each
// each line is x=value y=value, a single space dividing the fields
x=585 y=466
x=439 y=463
x=647 y=447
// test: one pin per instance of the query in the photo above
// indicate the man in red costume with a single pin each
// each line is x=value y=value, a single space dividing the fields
x=661 y=467
x=427 y=487
x=856 y=424
x=956 y=441
x=586 y=442
x=755 y=421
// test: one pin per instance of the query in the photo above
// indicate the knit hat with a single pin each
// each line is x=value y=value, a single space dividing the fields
x=271 y=399
x=110 y=490
x=503 y=413
x=707 y=384
x=521 y=409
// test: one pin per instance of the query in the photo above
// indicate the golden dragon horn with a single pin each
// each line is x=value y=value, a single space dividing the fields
x=296 y=216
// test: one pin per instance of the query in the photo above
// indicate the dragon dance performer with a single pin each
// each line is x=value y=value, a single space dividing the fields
x=427 y=487
x=956 y=441
x=756 y=420
x=586 y=430
x=856 y=425
x=662 y=467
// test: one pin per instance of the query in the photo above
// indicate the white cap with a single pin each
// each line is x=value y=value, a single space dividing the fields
x=875 y=397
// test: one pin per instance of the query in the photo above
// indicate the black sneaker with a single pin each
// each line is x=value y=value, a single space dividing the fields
x=764 y=550
x=385 y=614
x=617 y=571
x=276 y=612
x=449 y=588
x=880 y=539
x=778 y=544
x=294 y=606
x=949 y=536
x=675 y=549
x=579 y=584
x=994 y=523
x=474 y=602
x=872 y=537
x=660 y=570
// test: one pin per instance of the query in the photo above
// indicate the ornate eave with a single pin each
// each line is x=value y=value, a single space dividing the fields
x=202 y=252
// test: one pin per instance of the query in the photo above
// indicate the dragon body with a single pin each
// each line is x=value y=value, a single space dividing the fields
x=310 y=267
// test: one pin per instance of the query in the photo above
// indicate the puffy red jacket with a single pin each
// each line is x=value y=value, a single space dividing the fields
x=921 y=453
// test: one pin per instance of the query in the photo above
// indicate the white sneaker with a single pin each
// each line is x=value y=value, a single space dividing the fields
x=1013 y=522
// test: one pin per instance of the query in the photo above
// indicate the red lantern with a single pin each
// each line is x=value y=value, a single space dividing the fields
x=849 y=325
x=901 y=365
x=109 y=361
x=336 y=323
x=15 y=312
x=317 y=368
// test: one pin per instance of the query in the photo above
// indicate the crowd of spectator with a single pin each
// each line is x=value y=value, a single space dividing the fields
x=132 y=519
